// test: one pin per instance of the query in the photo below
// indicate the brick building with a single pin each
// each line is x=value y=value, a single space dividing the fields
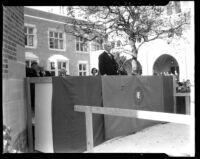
x=48 y=42
x=13 y=73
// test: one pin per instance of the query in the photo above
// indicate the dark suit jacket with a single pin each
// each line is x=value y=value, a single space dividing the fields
x=107 y=64
x=47 y=73
x=31 y=72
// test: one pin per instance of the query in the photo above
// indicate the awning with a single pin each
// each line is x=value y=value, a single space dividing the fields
x=58 y=57
x=30 y=55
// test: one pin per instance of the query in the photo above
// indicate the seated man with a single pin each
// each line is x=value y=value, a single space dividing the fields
x=107 y=63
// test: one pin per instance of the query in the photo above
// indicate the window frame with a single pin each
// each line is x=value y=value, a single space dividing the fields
x=79 y=51
x=87 y=67
x=95 y=45
x=52 y=70
x=56 y=69
x=57 y=31
x=66 y=66
x=34 y=35
x=31 y=60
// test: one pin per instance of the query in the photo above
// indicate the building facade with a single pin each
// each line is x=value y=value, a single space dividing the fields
x=48 y=42
x=174 y=55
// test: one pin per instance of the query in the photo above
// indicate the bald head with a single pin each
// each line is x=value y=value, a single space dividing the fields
x=107 y=46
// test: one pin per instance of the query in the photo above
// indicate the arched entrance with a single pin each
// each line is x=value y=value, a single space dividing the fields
x=166 y=64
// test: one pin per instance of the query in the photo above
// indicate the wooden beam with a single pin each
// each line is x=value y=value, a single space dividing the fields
x=182 y=94
x=29 y=115
x=89 y=129
x=148 y=115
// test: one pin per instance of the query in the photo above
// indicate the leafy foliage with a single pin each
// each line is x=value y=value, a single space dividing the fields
x=7 y=148
x=138 y=23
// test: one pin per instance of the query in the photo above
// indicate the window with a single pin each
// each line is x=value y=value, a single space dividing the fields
x=52 y=68
x=30 y=58
x=177 y=7
x=30 y=35
x=57 y=65
x=61 y=64
x=56 y=40
x=81 y=44
x=29 y=62
x=82 y=69
x=96 y=47
x=169 y=8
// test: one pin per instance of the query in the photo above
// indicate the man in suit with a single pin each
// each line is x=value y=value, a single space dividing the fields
x=33 y=71
x=107 y=63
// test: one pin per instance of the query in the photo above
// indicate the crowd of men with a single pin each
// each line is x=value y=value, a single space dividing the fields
x=36 y=71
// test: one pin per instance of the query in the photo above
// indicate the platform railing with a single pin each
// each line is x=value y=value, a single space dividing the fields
x=148 y=115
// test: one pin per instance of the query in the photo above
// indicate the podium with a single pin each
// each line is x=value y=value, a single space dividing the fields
x=60 y=129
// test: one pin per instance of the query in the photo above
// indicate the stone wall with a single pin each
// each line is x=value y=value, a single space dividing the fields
x=13 y=71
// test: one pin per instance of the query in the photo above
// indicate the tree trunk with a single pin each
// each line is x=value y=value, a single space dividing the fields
x=134 y=59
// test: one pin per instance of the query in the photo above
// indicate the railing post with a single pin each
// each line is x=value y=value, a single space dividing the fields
x=89 y=129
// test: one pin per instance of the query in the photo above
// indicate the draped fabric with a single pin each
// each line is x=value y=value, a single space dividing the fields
x=123 y=91
x=150 y=93
x=69 y=129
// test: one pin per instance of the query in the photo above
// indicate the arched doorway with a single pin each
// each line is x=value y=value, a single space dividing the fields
x=166 y=64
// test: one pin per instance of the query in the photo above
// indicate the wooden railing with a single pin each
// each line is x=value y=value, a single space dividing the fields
x=149 y=115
